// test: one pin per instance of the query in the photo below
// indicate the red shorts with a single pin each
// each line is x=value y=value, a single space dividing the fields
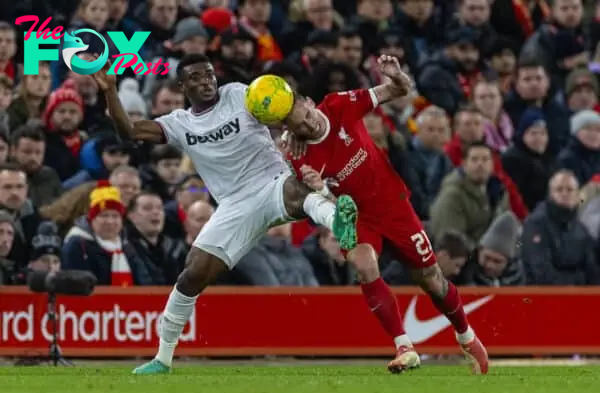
x=402 y=229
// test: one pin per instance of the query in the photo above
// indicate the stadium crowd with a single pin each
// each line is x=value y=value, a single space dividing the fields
x=499 y=145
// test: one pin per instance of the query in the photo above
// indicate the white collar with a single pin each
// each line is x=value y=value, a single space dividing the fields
x=325 y=134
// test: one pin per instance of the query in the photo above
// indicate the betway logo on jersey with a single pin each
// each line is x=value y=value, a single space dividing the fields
x=231 y=127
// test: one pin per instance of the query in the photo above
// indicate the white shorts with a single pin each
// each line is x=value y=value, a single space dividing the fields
x=237 y=225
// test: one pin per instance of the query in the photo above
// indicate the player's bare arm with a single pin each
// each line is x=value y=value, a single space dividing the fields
x=143 y=130
x=400 y=84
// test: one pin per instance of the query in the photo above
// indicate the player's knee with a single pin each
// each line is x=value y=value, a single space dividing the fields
x=201 y=270
x=364 y=260
x=431 y=280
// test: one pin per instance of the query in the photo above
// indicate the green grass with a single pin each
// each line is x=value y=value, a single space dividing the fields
x=296 y=379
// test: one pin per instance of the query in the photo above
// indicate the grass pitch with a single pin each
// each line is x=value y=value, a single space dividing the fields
x=300 y=379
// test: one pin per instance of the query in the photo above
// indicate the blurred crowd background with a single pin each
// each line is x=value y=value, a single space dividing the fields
x=500 y=144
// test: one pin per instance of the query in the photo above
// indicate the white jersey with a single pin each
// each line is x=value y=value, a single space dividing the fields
x=232 y=152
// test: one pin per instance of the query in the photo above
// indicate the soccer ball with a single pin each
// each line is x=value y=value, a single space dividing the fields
x=269 y=99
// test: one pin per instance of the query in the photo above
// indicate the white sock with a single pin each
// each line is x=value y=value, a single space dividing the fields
x=402 y=341
x=320 y=209
x=466 y=337
x=177 y=312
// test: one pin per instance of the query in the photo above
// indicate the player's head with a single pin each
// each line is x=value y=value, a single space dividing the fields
x=304 y=120
x=197 y=78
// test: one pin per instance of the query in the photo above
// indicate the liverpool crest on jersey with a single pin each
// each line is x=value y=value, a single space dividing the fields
x=345 y=137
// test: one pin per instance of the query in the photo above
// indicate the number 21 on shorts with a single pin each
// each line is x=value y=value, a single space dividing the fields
x=422 y=245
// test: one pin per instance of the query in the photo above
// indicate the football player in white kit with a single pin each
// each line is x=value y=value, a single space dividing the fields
x=245 y=173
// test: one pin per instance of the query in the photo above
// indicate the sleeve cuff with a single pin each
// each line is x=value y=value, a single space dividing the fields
x=374 y=99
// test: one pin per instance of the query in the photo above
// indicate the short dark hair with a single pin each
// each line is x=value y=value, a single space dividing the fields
x=5 y=26
x=349 y=32
x=454 y=243
x=164 y=152
x=27 y=131
x=11 y=167
x=194 y=58
x=169 y=84
x=474 y=145
x=529 y=61
x=133 y=203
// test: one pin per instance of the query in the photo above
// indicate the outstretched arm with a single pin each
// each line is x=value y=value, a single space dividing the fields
x=143 y=130
x=399 y=85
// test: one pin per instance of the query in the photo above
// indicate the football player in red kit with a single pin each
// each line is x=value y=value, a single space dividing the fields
x=340 y=158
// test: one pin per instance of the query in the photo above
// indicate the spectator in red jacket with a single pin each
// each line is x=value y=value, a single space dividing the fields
x=469 y=128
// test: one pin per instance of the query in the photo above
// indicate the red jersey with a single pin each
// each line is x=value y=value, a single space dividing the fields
x=347 y=154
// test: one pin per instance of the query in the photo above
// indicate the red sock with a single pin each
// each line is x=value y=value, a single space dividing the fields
x=451 y=306
x=383 y=303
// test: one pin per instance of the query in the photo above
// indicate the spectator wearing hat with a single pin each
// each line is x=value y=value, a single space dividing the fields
x=7 y=238
x=31 y=98
x=533 y=88
x=190 y=38
x=216 y=20
x=502 y=55
x=96 y=243
x=560 y=44
x=582 y=90
x=163 y=256
x=495 y=262
x=132 y=101
x=13 y=200
x=254 y=16
x=582 y=153
x=46 y=252
x=64 y=139
x=27 y=148
x=446 y=78
x=99 y=157
x=556 y=248
x=527 y=161
x=318 y=15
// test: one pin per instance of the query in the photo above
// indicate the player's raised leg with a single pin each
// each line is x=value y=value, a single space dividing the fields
x=447 y=300
x=382 y=303
x=202 y=269
x=340 y=217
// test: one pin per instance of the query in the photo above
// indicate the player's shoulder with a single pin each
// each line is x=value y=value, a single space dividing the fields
x=233 y=88
x=177 y=114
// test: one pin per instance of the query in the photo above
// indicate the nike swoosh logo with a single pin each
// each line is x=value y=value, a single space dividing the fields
x=420 y=331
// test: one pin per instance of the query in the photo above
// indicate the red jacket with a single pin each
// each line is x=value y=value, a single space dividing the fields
x=454 y=152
